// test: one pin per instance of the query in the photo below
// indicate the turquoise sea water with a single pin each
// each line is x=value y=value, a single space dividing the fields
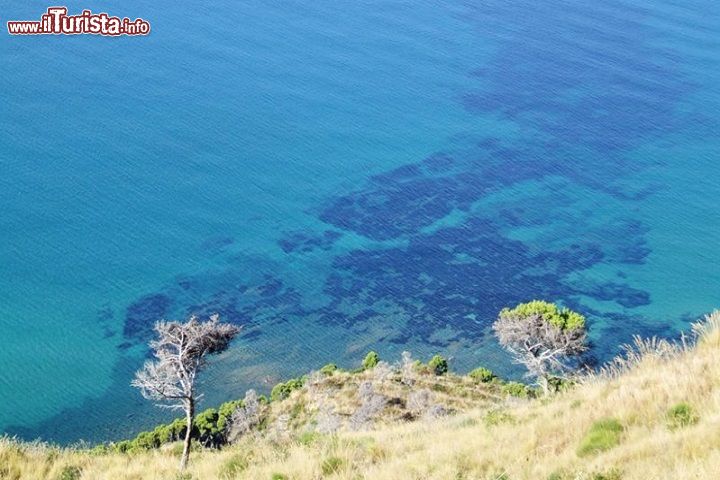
x=338 y=176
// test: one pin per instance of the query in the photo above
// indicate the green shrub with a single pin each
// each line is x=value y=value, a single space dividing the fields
x=307 y=438
x=564 y=318
x=438 y=364
x=332 y=465
x=557 y=384
x=603 y=435
x=612 y=474
x=206 y=429
x=233 y=466
x=482 y=374
x=162 y=434
x=517 y=389
x=98 y=450
x=328 y=369
x=496 y=417
x=225 y=412
x=123 y=446
x=283 y=390
x=278 y=476
x=209 y=429
x=146 y=441
x=370 y=360
x=70 y=472
x=681 y=415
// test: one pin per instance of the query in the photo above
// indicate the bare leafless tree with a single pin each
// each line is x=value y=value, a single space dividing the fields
x=543 y=347
x=418 y=401
x=328 y=421
x=246 y=417
x=371 y=404
x=408 y=370
x=180 y=352
x=382 y=373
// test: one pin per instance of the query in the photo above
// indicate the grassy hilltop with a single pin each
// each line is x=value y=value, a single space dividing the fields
x=653 y=414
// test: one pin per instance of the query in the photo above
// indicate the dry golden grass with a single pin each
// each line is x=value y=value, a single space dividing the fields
x=518 y=440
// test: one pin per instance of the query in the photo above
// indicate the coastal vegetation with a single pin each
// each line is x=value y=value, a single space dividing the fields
x=543 y=338
x=650 y=413
x=181 y=351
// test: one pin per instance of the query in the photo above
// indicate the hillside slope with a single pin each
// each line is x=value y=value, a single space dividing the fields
x=653 y=415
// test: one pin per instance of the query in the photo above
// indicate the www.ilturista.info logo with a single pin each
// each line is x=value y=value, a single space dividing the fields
x=57 y=22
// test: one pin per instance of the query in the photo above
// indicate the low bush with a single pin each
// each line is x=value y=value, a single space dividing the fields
x=307 y=438
x=98 y=450
x=329 y=369
x=371 y=360
x=482 y=374
x=681 y=415
x=438 y=365
x=210 y=430
x=332 y=465
x=70 y=472
x=557 y=384
x=603 y=435
x=517 y=389
x=283 y=390
x=497 y=417
x=612 y=474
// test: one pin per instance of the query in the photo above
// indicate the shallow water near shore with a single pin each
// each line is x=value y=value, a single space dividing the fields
x=345 y=176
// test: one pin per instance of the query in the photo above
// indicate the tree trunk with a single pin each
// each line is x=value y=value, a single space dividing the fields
x=544 y=384
x=190 y=414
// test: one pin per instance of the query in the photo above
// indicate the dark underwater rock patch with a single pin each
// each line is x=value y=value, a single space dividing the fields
x=463 y=273
x=634 y=85
x=142 y=314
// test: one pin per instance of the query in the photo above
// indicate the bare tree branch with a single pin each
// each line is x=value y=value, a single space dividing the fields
x=180 y=352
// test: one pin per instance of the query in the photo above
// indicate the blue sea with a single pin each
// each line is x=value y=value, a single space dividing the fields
x=339 y=176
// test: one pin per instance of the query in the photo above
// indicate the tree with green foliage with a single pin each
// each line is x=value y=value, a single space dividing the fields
x=208 y=433
x=517 y=389
x=329 y=369
x=542 y=337
x=181 y=351
x=438 y=365
x=370 y=360
x=281 y=391
x=483 y=375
